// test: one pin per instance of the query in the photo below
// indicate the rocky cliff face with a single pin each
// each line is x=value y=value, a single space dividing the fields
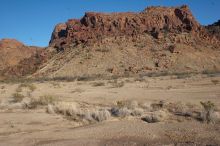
x=94 y=27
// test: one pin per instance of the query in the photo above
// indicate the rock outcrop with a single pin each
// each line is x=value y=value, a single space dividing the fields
x=94 y=27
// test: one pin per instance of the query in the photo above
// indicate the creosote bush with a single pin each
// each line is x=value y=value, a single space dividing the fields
x=206 y=115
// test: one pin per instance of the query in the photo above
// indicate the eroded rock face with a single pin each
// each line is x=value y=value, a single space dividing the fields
x=94 y=27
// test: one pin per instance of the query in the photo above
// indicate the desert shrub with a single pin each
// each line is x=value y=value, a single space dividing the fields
x=158 y=106
x=215 y=82
x=126 y=108
x=50 y=109
x=117 y=84
x=132 y=104
x=46 y=99
x=120 y=112
x=129 y=104
x=17 y=97
x=96 y=84
x=74 y=112
x=139 y=79
x=137 y=112
x=208 y=110
x=100 y=115
x=146 y=105
x=154 y=117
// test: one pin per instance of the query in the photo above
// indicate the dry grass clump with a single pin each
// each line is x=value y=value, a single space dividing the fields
x=21 y=101
x=154 y=117
x=120 y=112
x=100 y=115
x=74 y=112
x=126 y=108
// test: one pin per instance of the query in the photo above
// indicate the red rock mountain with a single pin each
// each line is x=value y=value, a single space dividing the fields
x=95 y=26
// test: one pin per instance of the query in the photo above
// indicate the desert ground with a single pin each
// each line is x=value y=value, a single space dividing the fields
x=164 y=110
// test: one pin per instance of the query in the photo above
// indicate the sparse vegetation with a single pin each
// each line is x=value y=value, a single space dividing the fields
x=116 y=84
x=17 y=97
x=74 y=112
x=154 y=117
x=96 y=84
x=206 y=115
x=47 y=99
x=127 y=108
x=56 y=84
x=30 y=86
x=215 y=82
x=139 y=79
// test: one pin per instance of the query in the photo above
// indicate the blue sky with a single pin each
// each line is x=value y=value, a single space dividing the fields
x=32 y=21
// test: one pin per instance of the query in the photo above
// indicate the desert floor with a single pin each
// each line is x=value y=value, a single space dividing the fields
x=34 y=126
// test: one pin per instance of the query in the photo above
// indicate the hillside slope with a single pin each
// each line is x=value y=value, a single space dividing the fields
x=158 y=39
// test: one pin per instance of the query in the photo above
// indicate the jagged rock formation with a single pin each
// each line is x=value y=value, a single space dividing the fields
x=93 y=27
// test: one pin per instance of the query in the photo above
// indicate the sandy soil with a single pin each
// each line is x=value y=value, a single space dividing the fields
x=36 y=127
